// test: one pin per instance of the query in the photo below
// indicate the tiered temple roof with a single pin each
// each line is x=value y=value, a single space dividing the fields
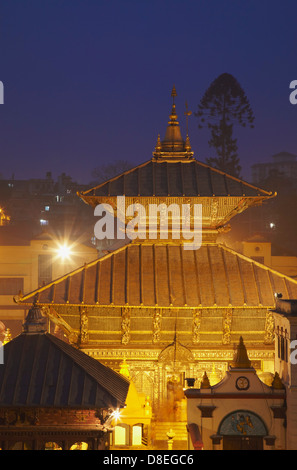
x=170 y=178
x=148 y=274
x=166 y=275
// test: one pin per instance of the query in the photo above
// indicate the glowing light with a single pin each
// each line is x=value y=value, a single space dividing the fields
x=116 y=415
x=64 y=251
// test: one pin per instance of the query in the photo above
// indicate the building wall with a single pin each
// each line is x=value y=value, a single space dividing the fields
x=20 y=266
x=285 y=334
x=261 y=252
x=235 y=401
x=284 y=163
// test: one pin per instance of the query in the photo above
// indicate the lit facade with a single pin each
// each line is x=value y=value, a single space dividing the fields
x=171 y=313
x=258 y=249
x=238 y=413
x=27 y=264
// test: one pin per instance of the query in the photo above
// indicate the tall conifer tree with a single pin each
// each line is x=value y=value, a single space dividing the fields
x=224 y=104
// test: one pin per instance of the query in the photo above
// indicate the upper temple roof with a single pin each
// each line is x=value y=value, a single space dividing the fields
x=173 y=172
x=170 y=178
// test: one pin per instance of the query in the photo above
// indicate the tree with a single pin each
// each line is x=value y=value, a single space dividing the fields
x=223 y=104
x=105 y=172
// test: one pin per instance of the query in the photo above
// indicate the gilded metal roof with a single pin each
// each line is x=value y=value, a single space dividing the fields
x=42 y=370
x=167 y=275
x=169 y=178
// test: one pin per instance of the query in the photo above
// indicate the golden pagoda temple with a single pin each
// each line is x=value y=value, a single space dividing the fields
x=172 y=313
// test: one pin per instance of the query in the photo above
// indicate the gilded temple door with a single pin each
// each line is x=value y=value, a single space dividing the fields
x=242 y=430
x=243 y=443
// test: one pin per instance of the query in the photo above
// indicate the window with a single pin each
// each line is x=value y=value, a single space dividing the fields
x=44 y=269
x=282 y=348
x=259 y=259
x=43 y=222
x=120 y=436
x=11 y=285
x=137 y=435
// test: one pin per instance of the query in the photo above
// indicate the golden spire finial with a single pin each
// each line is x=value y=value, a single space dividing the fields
x=124 y=369
x=187 y=114
x=205 y=381
x=158 y=147
x=277 y=383
x=173 y=144
x=173 y=115
x=173 y=93
x=241 y=359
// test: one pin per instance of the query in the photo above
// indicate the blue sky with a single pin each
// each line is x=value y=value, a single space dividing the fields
x=88 y=82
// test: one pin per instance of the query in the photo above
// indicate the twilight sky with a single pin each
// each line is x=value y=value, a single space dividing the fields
x=88 y=82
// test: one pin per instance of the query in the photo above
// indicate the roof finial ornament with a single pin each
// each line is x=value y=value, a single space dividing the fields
x=205 y=381
x=173 y=146
x=187 y=143
x=173 y=115
x=35 y=321
x=173 y=93
x=158 y=147
x=241 y=359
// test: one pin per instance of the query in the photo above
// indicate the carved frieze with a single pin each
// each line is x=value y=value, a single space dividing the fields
x=84 y=326
x=269 y=328
x=214 y=211
x=125 y=326
x=157 y=320
x=196 y=325
x=227 y=323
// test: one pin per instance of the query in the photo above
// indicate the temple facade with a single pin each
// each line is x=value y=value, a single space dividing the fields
x=170 y=312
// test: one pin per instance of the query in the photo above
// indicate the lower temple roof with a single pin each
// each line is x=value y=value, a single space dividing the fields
x=40 y=370
x=166 y=275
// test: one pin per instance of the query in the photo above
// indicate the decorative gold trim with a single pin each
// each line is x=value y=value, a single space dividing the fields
x=126 y=321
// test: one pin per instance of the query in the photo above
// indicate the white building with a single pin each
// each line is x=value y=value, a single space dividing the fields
x=240 y=412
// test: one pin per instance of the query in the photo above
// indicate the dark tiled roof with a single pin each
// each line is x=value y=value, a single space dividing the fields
x=174 y=178
x=42 y=370
x=167 y=275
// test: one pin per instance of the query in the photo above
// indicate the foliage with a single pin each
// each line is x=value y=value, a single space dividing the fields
x=105 y=172
x=223 y=104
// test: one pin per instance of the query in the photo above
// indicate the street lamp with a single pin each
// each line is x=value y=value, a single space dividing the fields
x=64 y=251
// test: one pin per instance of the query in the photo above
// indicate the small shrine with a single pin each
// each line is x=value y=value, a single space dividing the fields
x=240 y=412
x=53 y=396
